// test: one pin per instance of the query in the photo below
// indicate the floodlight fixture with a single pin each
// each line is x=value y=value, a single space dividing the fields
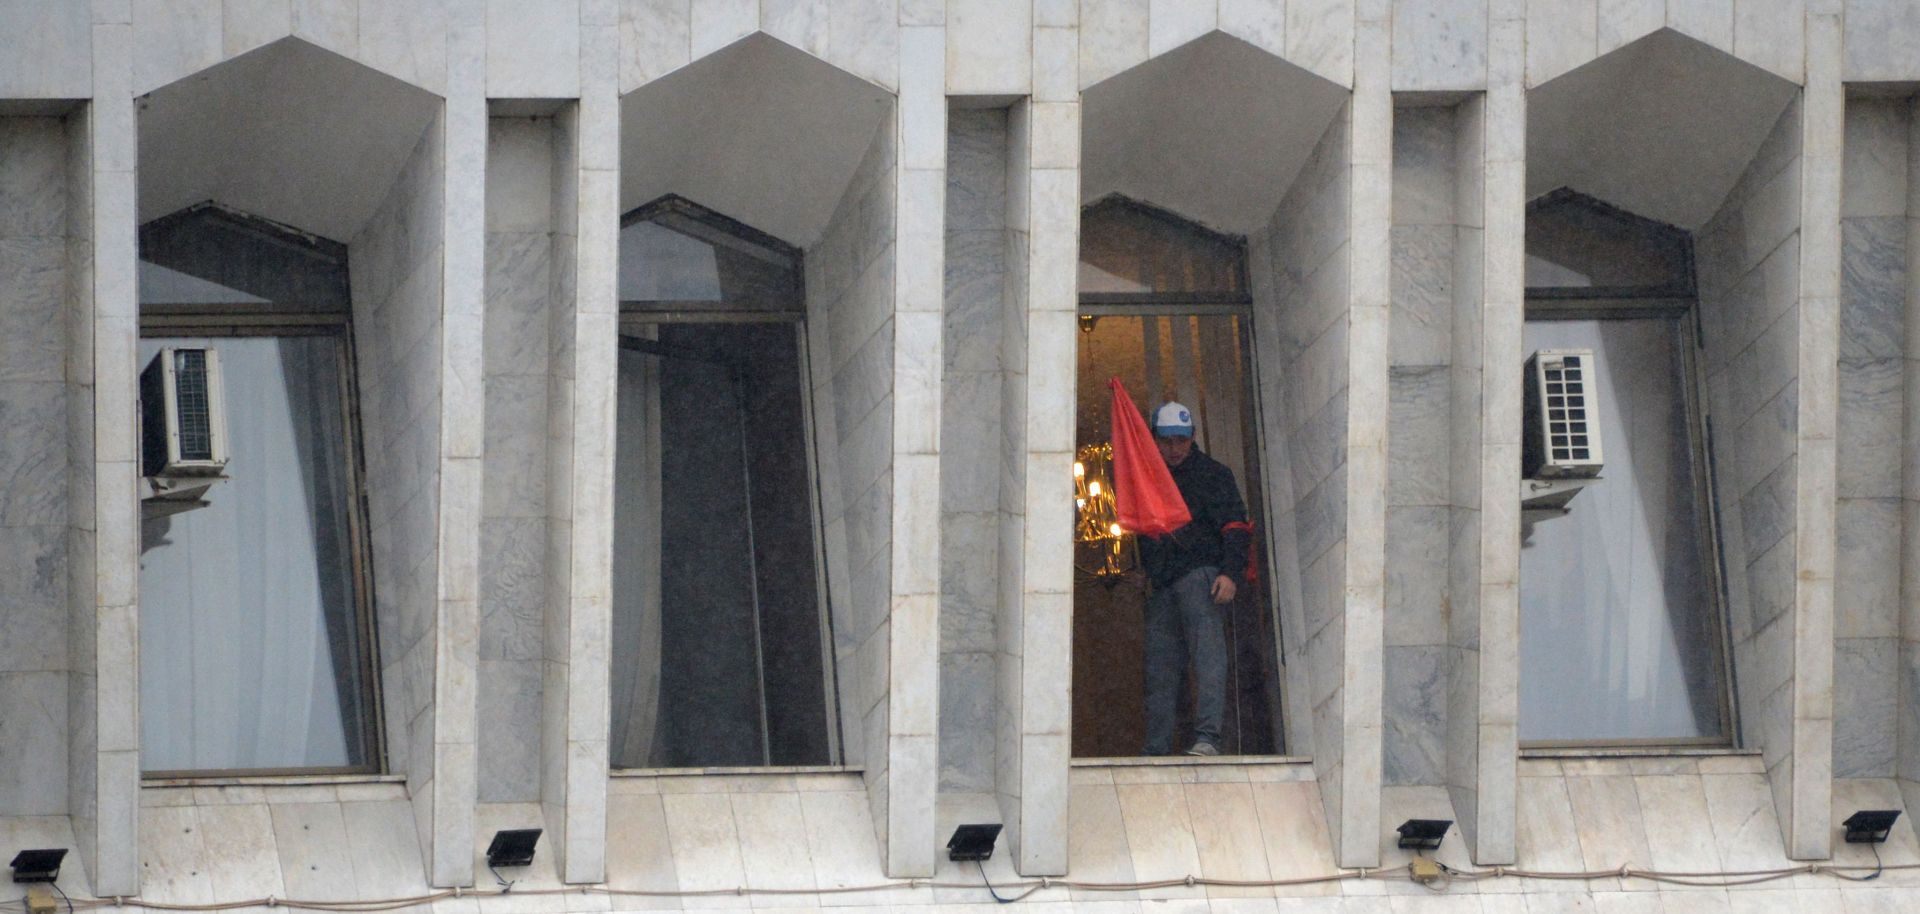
x=1870 y=826
x=38 y=865
x=972 y=842
x=1423 y=834
x=512 y=847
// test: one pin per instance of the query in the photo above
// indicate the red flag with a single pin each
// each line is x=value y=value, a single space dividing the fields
x=1143 y=488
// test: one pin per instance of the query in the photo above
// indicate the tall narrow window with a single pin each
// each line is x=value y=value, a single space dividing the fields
x=1620 y=634
x=255 y=642
x=1164 y=307
x=721 y=653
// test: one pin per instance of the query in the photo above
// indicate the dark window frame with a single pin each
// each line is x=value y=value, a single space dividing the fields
x=297 y=319
x=677 y=213
x=1679 y=302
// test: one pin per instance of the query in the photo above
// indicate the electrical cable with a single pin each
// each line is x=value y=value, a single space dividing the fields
x=1878 y=867
x=505 y=886
x=63 y=896
x=982 y=864
x=1724 y=878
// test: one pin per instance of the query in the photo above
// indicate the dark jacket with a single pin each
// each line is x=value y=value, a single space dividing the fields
x=1218 y=534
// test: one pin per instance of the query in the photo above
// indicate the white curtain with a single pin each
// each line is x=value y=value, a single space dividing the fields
x=1616 y=615
x=636 y=564
x=238 y=669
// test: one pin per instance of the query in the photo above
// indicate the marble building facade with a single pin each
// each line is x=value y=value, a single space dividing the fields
x=931 y=159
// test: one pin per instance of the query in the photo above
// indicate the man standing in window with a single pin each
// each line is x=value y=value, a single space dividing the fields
x=1192 y=570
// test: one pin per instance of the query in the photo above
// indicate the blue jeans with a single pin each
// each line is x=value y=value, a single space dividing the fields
x=1183 y=625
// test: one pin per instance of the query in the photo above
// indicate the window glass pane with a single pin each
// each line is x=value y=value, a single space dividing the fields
x=253 y=649
x=206 y=255
x=717 y=656
x=1200 y=361
x=1576 y=241
x=1618 y=639
x=676 y=251
x=1129 y=247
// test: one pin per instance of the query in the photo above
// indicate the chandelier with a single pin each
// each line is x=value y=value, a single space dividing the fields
x=1097 y=527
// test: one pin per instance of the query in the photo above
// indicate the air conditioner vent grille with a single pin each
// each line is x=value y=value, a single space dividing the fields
x=1566 y=410
x=196 y=412
x=1562 y=434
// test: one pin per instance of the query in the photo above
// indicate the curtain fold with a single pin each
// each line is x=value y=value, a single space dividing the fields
x=636 y=573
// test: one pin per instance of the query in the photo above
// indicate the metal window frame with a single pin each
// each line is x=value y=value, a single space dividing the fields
x=1094 y=306
x=680 y=214
x=224 y=320
x=1685 y=314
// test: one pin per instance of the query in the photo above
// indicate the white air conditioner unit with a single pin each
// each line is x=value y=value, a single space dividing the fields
x=183 y=424
x=1560 y=439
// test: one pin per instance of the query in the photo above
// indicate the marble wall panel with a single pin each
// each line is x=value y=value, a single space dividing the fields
x=1416 y=703
x=1879 y=39
x=1113 y=38
x=1742 y=289
x=1873 y=287
x=36 y=462
x=1422 y=292
x=400 y=384
x=1865 y=705
x=1869 y=423
x=1445 y=47
x=1418 y=436
x=970 y=416
x=1867 y=568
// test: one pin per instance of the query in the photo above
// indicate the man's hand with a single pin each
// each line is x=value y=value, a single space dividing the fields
x=1223 y=590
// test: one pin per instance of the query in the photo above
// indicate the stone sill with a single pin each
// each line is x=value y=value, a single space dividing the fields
x=757 y=779
x=1602 y=752
x=1189 y=769
x=226 y=790
x=1647 y=760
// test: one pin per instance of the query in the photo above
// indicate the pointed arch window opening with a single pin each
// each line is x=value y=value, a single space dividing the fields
x=257 y=630
x=1165 y=304
x=690 y=260
x=722 y=653
x=1623 y=600
x=1586 y=256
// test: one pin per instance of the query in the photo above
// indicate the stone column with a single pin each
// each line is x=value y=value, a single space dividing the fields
x=456 y=630
x=1035 y=629
x=585 y=335
x=1369 y=363
x=1489 y=311
x=104 y=713
x=912 y=778
x=1806 y=817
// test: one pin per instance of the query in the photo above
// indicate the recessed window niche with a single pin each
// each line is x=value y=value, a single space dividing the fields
x=754 y=423
x=1208 y=276
x=1662 y=253
x=258 y=610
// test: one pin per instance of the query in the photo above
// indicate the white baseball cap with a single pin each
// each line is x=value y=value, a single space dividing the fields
x=1172 y=419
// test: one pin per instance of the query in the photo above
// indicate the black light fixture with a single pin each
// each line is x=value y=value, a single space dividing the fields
x=972 y=842
x=1423 y=834
x=38 y=865
x=512 y=847
x=1870 y=826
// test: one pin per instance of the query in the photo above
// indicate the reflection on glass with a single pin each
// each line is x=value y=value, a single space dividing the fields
x=1131 y=247
x=718 y=635
x=209 y=255
x=253 y=655
x=1577 y=242
x=1617 y=633
x=674 y=251
x=1199 y=360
